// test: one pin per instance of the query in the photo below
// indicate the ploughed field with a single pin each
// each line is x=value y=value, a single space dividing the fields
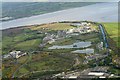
x=36 y=40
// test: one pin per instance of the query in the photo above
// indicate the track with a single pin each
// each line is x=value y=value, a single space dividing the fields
x=29 y=58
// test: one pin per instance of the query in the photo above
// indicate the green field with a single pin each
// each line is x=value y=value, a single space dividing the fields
x=29 y=39
x=56 y=26
x=48 y=61
x=112 y=30
x=28 y=45
x=23 y=41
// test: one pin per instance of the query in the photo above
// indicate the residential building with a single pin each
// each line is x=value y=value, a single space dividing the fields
x=17 y=54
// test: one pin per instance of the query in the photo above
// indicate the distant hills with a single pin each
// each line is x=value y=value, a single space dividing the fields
x=26 y=9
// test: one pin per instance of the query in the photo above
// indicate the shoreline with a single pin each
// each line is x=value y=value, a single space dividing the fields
x=103 y=15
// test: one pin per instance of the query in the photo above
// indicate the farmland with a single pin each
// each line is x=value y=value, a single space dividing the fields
x=53 y=26
x=40 y=61
x=112 y=30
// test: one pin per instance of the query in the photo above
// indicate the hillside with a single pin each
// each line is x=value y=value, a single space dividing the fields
x=16 y=10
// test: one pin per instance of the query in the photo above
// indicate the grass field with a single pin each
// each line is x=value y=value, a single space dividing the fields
x=28 y=45
x=112 y=30
x=45 y=61
x=30 y=39
x=54 y=26
x=22 y=41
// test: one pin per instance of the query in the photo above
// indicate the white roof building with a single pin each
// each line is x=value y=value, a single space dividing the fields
x=6 y=56
x=72 y=77
x=96 y=73
x=17 y=54
x=76 y=24
x=51 y=41
x=102 y=77
x=84 y=23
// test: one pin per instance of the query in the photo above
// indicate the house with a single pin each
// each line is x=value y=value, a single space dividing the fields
x=42 y=45
x=102 y=77
x=88 y=24
x=70 y=31
x=100 y=46
x=83 y=23
x=76 y=24
x=48 y=37
x=72 y=77
x=51 y=41
x=82 y=30
x=17 y=54
x=61 y=33
x=6 y=56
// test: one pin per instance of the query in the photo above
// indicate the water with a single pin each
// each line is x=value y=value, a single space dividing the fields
x=74 y=45
x=87 y=51
x=101 y=12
